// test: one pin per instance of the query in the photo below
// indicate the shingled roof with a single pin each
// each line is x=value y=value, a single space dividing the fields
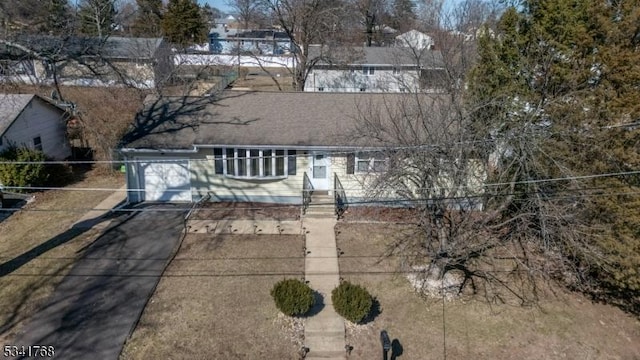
x=113 y=47
x=389 y=56
x=12 y=105
x=283 y=119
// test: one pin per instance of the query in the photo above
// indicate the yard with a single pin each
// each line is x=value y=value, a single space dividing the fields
x=37 y=247
x=259 y=80
x=564 y=326
x=214 y=301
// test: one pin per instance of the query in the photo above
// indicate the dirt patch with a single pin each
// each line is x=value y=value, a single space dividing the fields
x=214 y=301
x=381 y=214
x=258 y=80
x=563 y=326
x=38 y=248
x=246 y=210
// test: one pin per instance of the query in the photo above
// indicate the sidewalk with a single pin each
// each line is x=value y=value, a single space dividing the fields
x=98 y=217
x=324 y=332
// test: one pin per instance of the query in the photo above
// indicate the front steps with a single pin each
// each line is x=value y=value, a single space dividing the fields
x=321 y=206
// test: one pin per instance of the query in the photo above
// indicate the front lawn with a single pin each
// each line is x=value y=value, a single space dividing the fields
x=214 y=301
x=565 y=326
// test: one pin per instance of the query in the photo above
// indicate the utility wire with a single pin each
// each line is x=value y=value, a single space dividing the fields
x=438 y=188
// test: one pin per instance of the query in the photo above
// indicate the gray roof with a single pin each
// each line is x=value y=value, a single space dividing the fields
x=127 y=48
x=12 y=105
x=113 y=47
x=391 y=56
x=297 y=119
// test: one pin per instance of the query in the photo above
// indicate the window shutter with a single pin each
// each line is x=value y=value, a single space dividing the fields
x=351 y=163
x=292 y=163
x=217 y=155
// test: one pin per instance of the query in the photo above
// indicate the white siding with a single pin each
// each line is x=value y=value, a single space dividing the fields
x=382 y=80
x=39 y=119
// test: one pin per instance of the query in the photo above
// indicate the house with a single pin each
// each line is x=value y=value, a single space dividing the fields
x=253 y=146
x=415 y=40
x=228 y=41
x=31 y=121
x=374 y=69
x=88 y=61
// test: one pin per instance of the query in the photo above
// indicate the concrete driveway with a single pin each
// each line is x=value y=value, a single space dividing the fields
x=95 y=307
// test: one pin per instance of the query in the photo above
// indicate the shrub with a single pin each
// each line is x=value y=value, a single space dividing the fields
x=293 y=297
x=353 y=302
x=17 y=174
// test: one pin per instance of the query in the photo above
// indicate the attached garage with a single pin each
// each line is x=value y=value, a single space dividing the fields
x=164 y=180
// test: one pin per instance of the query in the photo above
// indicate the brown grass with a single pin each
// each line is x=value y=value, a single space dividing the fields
x=246 y=210
x=43 y=224
x=214 y=301
x=563 y=326
x=257 y=80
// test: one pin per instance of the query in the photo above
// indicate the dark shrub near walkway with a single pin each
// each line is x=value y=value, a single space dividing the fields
x=293 y=297
x=351 y=301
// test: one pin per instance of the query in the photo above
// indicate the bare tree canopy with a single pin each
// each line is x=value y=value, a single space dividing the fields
x=248 y=11
x=97 y=17
x=306 y=22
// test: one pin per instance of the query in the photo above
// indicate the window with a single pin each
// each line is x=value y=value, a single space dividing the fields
x=370 y=162
x=368 y=70
x=292 y=162
x=219 y=165
x=37 y=143
x=254 y=163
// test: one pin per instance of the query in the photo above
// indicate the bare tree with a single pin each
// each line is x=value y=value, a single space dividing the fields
x=371 y=15
x=248 y=11
x=306 y=23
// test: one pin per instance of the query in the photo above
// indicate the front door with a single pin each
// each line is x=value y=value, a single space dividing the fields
x=320 y=170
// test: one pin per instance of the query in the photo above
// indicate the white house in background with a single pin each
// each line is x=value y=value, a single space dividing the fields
x=414 y=39
x=374 y=69
x=31 y=121
x=257 y=146
x=228 y=41
x=88 y=61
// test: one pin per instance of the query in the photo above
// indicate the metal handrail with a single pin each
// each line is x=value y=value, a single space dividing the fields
x=307 y=191
x=340 y=197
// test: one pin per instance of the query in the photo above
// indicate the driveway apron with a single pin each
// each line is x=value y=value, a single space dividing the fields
x=95 y=307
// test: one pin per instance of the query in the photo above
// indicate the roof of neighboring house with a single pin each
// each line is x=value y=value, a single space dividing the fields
x=113 y=47
x=12 y=105
x=297 y=119
x=391 y=56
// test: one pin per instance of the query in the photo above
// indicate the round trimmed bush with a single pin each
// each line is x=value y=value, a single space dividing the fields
x=293 y=297
x=353 y=302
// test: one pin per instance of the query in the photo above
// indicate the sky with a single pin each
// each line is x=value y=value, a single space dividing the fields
x=220 y=4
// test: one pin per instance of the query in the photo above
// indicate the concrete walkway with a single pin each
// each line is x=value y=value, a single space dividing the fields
x=324 y=331
x=98 y=218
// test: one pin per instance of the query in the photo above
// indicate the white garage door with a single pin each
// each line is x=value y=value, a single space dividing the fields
x=166 y=181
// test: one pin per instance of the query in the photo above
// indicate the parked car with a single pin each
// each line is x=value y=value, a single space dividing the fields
x=1 y=197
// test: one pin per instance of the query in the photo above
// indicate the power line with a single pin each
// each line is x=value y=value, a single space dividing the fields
x=295 y=206
x=388 y=187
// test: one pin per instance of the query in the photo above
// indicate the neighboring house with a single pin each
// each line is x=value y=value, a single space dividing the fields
x=224 y=40
x=415 y=40
x=255 y=146
x=375 y=69
x=86 y=61
x=31 y=121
